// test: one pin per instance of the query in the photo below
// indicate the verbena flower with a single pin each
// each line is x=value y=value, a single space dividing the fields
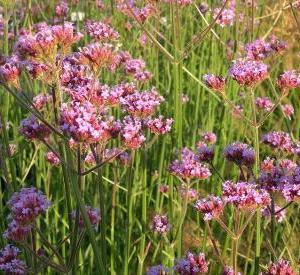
x=131 y=134
x=157 y=270
x=205 y=153
x=240 y=154
x=191 y=264
x=40 y=101
x=142 y=104
x=258 y=50
x=189 y=166
x=226 y=18
x=289 y=80
x=32 y=129
x=248 y=72
x=159 y=125
x=264 y=103
x=65 y=34
x=288 y=110
x=9 y=262
x=216 y=83
x=278 y=140
x=279 y=267
x=92 y=213
x=52 y=158
x=245 y=195
x=10 y=72
x=160 y=224
x=16 y=231
x=187 y=193
x=27 y=204
x=101 y=31
x=228 y=270
x=61 y=9
x=209 y=137
x=211 y=207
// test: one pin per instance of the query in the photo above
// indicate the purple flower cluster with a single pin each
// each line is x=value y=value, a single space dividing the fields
x=142 y=104
x=226 y=17
x=25 y=207
x=32 y=129
x=9 y=262
x=264 y=103
x=248 y=72
x=258 y=50
x=101 y=31
x=288 y=110
x=228 y=270
x=279 y=267
x=189 y=166
x=278 y=140
x=245 y=195
x=92 y=213
x=240 y=154
x=132 y=134
x=159 y=126
x=216 y=83
x=205 y=153
x=289 y=80
x=211 y=207
x=52 y=158
x=160 y=224
x=157 y=270
x=41 y=100
x=192 y=264
x=279 y=214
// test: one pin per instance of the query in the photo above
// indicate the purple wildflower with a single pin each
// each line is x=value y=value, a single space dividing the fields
x=92 y=213
x=192 y=264
x=248 y=72
x=9 y=262
x=258 y=50
x=216 y=83
x=240 y=154
x=211 y=207
x=288 y=80
x=280 y=267
x=278 y=140
x=160 y=224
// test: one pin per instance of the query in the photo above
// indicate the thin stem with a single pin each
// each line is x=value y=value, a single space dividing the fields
x=256 y=167
x=273 y=225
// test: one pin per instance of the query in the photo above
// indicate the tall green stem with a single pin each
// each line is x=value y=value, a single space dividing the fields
x=256 y=168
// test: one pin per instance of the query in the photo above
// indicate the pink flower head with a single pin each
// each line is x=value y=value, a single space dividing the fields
x=228 y=270
x=189 y=166
x=226 y=18
x=163 y=188
x=288 y=110
x=279 y=216
x=187 y=193
x=264 y=103
x=258 y=50
x=32 y=129
x=245 y=195
x=16 y=231
x=159 y=126
x=34 y=69
x=205 y=153
x=52 y=158
x=41 y=100
x=81 y=122
x=27 y=204
x=10 y=72
x=133 y=66
x=289 y=80
x=278 y=140
x=184 y=99
x=216 y=83
x=277 y=45
x=280 y=267
x=9 y=262
x=65 y=34
x=93 y=215
x=267 y=165
x=209 y=137
x=248 y=72
x=61 y=9
x=192 y=264
x=98 y=55
x=240 y=154
x=142 y=76
x=132 y=132
x=180 y=2
x=101 y=31
x=160 y=224
x=142 y=104
x=211 y=207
